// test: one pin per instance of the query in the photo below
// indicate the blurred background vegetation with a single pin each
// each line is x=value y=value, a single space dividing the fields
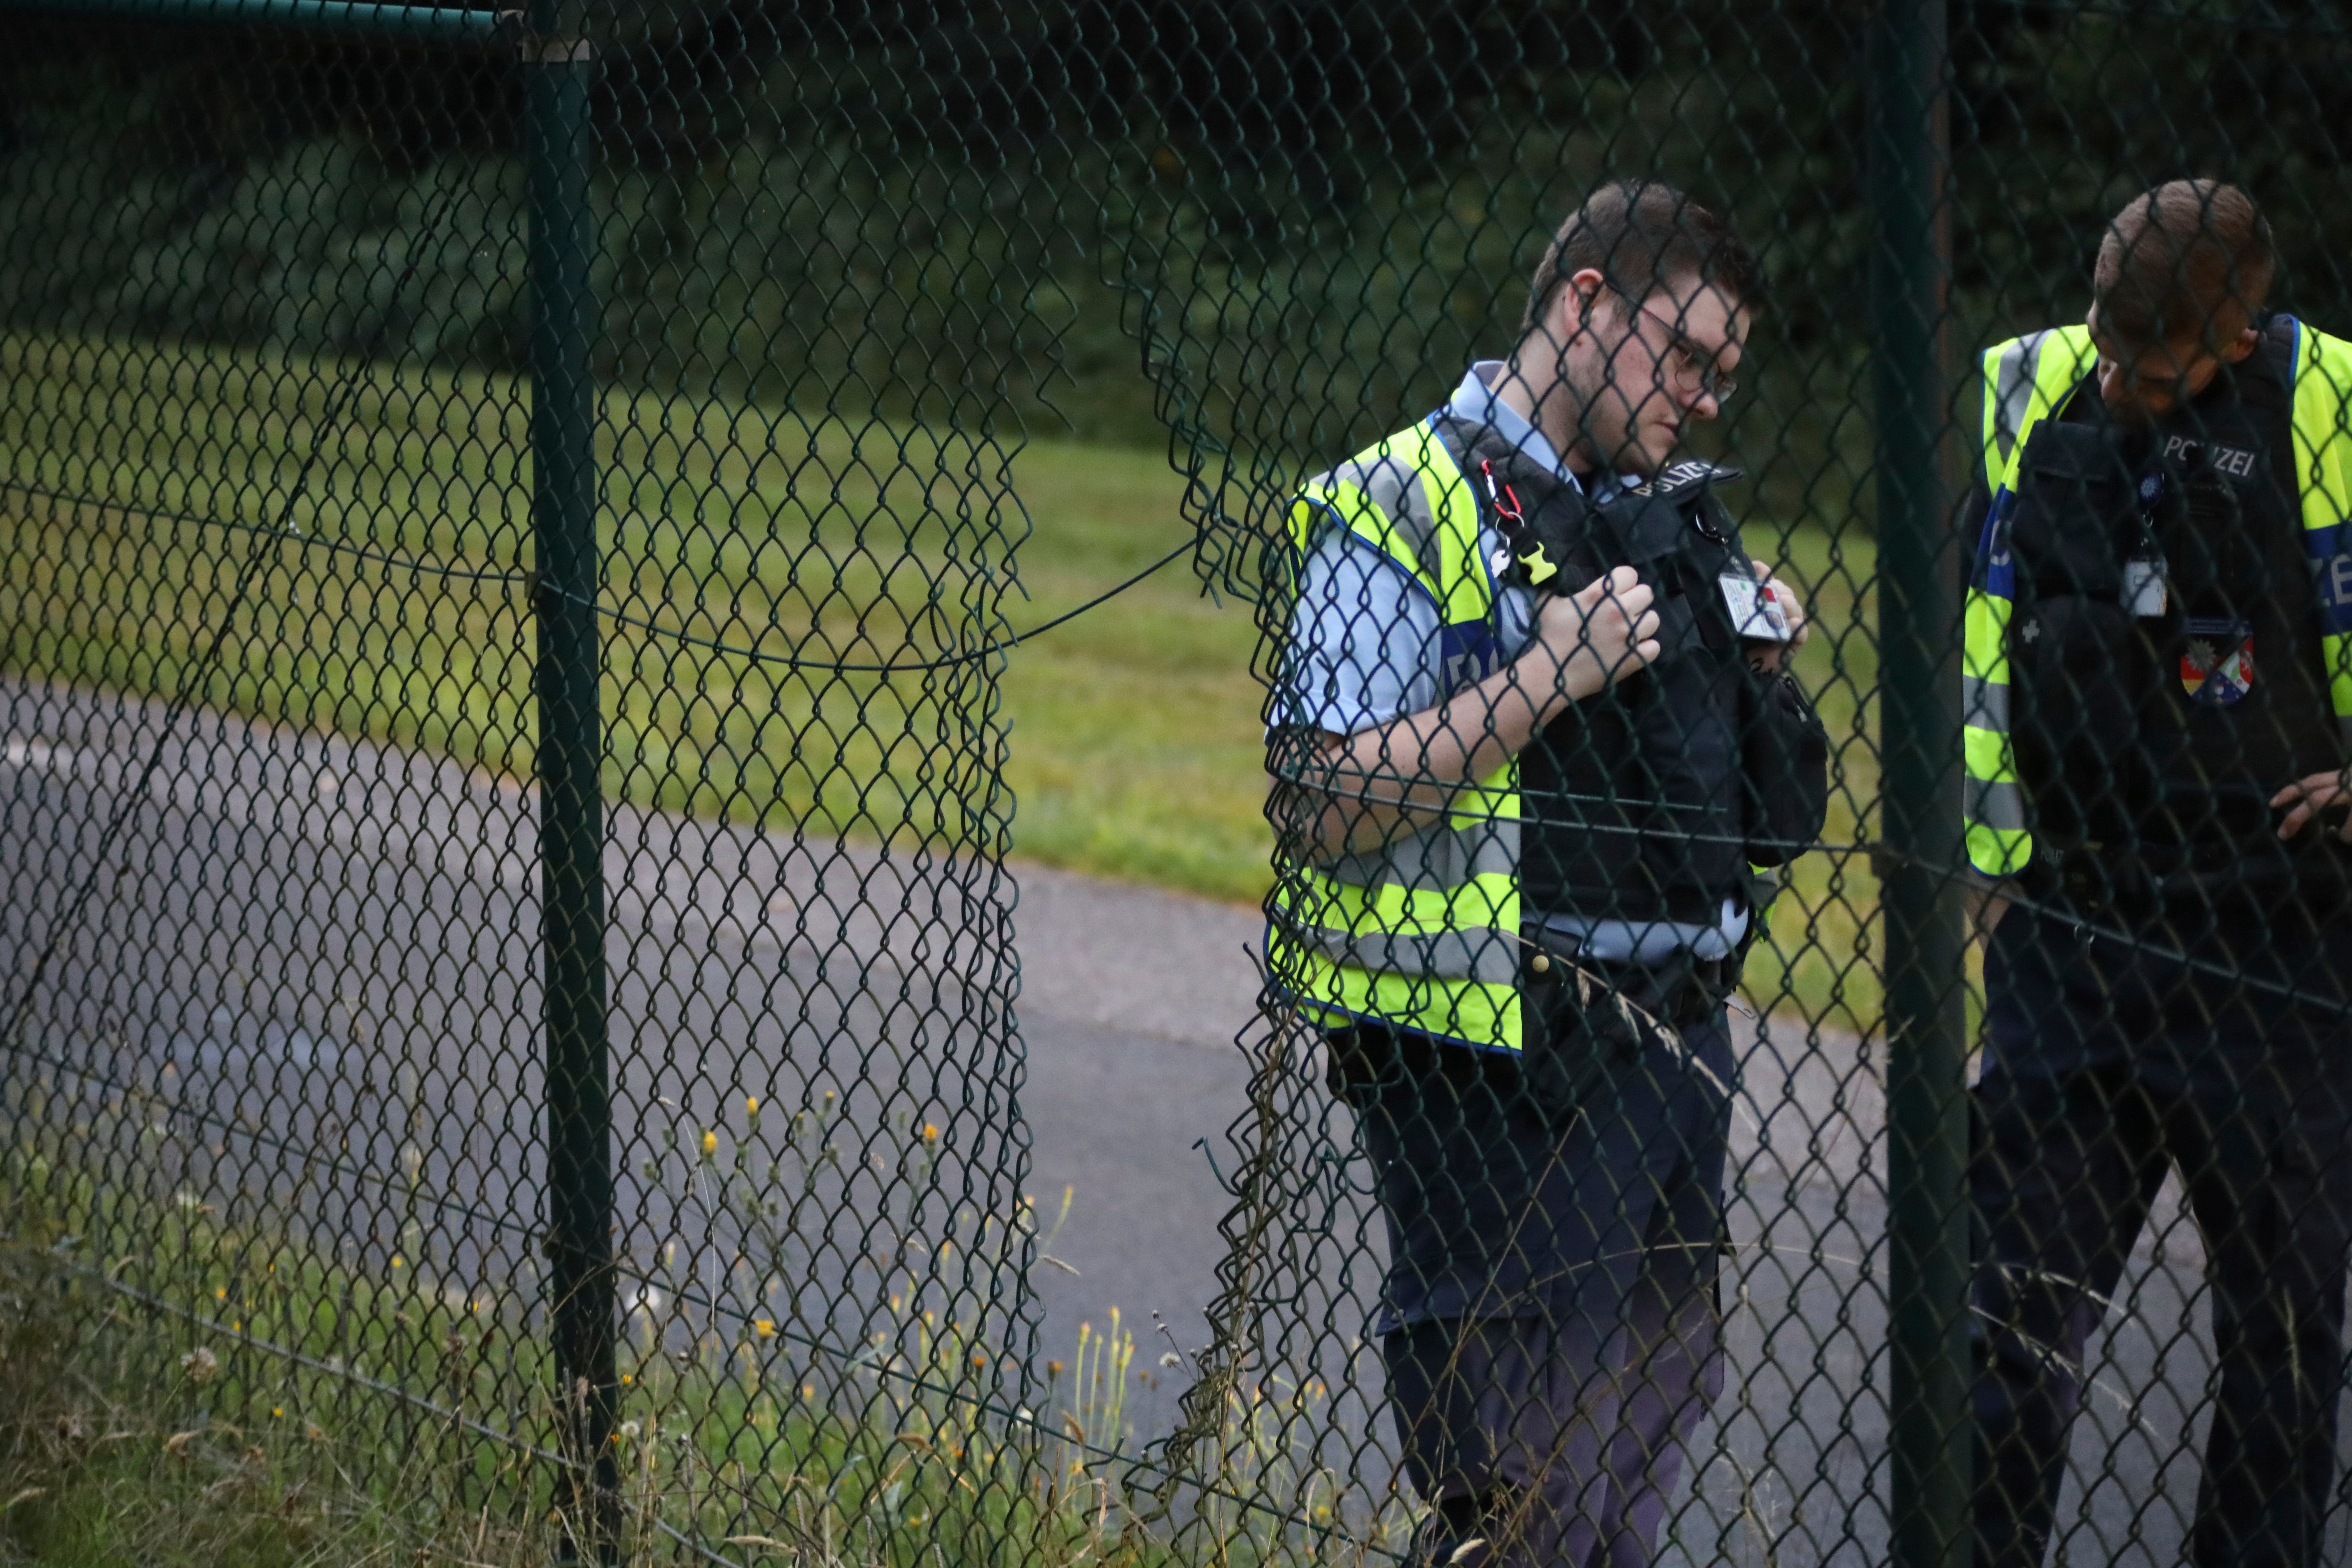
x=1284 y=222
x=1237 y=237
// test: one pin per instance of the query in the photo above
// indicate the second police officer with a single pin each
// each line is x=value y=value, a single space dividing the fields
x=2159 y=686
x=1532 y=730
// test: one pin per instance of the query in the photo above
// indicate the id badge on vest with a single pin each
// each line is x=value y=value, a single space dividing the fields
x=2146 y=593
x=1759 y=617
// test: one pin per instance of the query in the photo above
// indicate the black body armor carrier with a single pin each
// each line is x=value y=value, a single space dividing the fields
x=2138 y=791
x=1651 y=800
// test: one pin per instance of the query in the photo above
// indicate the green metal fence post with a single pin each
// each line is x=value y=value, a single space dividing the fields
x=571 y=744
x=1919 y=622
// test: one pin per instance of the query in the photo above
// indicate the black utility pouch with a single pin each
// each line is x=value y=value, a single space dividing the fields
x=2080 y=668
x=1784 y=767
x=2083 y=681
x=1584 y=1029
x=2077 y=512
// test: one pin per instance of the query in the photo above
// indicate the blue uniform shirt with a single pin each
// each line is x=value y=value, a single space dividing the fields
x=1364 y=650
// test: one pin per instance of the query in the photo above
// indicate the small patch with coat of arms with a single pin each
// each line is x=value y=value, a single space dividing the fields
x=2217 y=663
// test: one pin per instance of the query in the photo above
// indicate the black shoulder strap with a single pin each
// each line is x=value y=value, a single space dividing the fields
x=2269 y=395
x=1472 y=441
x=2270 y=391
x=1540 y=518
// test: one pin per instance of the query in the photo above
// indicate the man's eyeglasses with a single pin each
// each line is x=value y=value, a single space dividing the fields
x=1692 y=368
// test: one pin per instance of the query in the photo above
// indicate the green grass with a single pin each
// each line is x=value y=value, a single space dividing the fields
x=1137 y=748
x=129 y=1436
x=1134 y=748
x=1818 y=960
x=1129 y=737
x=186 y=1385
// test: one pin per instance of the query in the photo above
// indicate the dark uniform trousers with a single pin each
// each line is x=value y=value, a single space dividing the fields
x=2107 y=1064
x=1552 y=1330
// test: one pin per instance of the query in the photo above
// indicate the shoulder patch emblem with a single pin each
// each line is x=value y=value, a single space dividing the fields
x=2217 y=665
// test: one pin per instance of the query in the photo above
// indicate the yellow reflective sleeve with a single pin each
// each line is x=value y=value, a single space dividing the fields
x=1993 y=804
x=1986 y=756
x=1984 y=648
x=1993 y=455
x=2322 y=433
x=1999 y=851
x=2336 y=648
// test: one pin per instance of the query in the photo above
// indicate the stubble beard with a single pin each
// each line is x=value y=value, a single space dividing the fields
x=1623 y=452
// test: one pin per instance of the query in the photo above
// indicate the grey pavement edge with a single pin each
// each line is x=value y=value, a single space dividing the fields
x=387 y=900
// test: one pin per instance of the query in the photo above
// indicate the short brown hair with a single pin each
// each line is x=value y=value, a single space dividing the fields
x=2188 y=257
x=1640 y=234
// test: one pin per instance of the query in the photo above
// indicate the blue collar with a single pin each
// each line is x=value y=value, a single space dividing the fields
x=1475 y=400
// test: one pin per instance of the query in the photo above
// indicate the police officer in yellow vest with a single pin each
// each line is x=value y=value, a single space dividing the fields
x=1531 y=732
x=2158 y=692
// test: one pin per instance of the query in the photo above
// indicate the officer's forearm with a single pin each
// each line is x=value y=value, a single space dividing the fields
x=1363 y=790
x=1984 y=904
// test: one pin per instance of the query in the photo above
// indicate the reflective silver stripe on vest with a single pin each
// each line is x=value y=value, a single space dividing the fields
x=1484 y=955
x=1985 y=703
x=1394 y=485
x=2012 y=390
x=1434 y=859
x=1996 y=803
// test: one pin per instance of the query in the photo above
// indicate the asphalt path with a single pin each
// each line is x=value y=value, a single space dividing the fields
x=306 y=993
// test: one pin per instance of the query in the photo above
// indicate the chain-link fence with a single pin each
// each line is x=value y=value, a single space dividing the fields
x=514 y=530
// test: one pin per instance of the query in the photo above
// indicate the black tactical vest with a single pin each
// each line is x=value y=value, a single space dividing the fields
x=1648 y=802
x=2162 y=738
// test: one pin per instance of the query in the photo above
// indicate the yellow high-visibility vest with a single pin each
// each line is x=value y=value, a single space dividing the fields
x=2028 y=379
x=1422 y=933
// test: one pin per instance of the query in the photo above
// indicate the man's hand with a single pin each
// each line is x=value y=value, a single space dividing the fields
x=1362 y=787
x=1601 y=634
x=1771 y=658
x=2310 y=796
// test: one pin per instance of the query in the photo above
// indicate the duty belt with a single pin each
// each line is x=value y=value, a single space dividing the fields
x=1680 y=989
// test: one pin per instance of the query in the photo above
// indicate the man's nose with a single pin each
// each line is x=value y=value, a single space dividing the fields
x=1696 y=402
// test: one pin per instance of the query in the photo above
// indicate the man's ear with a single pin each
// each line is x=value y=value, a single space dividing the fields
x=1578 y=293
x=2242 y=345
